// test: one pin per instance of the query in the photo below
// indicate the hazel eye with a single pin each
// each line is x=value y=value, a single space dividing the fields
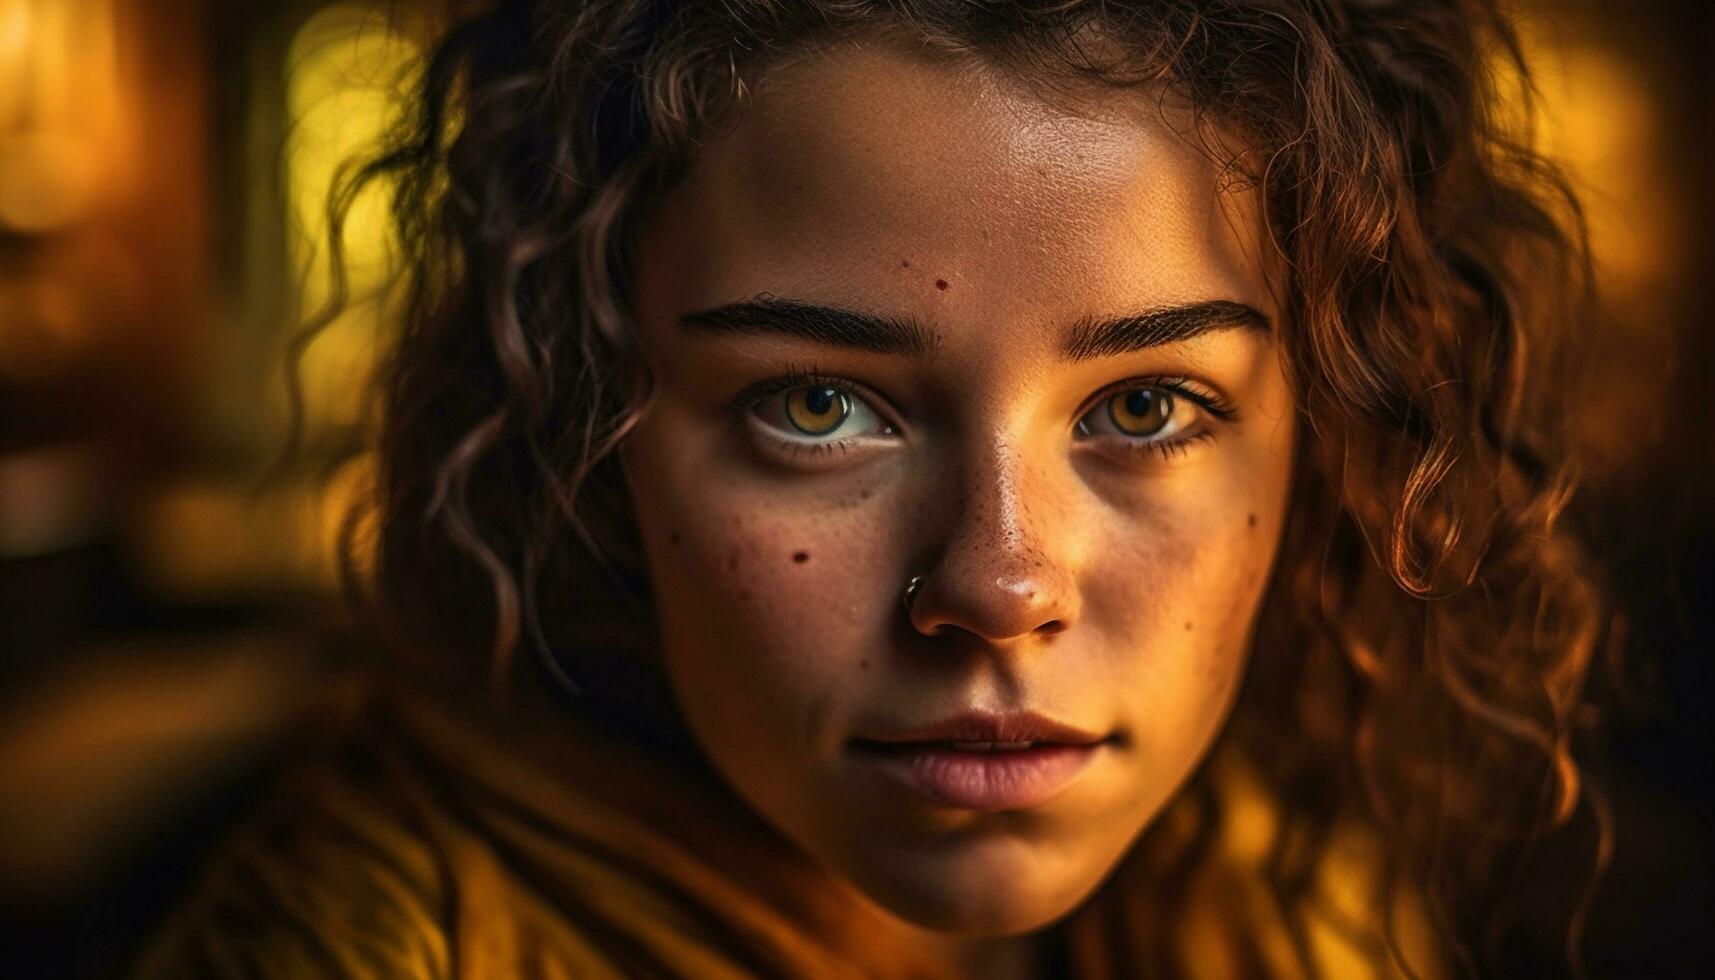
x=819 y=413
x=1143 y=412
x=817 y=410
x=1148 y=414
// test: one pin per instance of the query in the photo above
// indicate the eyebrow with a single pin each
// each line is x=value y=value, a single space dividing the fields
x=823 y=324
x=1090 y=339
x=1087 y=339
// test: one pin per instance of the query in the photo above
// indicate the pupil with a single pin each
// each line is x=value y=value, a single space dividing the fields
x=1141 y=403
x=820 y=400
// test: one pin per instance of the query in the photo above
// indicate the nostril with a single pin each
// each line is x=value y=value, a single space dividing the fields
x=990 y=607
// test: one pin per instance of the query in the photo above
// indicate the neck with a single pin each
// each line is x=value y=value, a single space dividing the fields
x=994 y=958
x=985 y=957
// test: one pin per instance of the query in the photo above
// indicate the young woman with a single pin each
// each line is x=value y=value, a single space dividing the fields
x=993 y=489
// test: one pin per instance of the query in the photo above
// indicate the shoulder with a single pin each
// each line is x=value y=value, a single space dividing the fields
x=333 y=878
x=416 y=844
x=1346 y=919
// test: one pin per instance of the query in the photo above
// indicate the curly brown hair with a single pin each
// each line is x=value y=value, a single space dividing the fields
x=1425 y=643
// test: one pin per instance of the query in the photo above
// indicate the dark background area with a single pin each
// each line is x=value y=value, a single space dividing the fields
x=162 y=623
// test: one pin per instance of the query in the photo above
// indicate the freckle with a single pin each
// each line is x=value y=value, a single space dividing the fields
x=801 y=557
x=732 y=561
x=674 y=537
x=864 y=663
x=1251 y=520
x=905 y=263
x=744 y=595
x=1187 y=626
x=940 y=284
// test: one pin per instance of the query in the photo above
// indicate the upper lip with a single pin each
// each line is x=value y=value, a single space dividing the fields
x=979 y=726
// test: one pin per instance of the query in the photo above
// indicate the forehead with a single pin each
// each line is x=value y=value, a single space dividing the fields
x=876 y=174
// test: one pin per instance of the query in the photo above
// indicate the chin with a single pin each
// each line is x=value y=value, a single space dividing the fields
x=974 y=903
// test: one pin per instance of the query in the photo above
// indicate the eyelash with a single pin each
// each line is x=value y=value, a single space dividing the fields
x=801 y=377
x=809 y=376
x=1180 y=387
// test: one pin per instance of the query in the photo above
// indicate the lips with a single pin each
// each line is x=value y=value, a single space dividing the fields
x=982 y=761
x=987 y=728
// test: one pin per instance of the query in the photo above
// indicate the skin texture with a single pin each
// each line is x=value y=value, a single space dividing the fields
x=1083 y=577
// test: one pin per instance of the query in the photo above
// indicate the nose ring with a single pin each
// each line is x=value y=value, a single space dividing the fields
x=911 y=589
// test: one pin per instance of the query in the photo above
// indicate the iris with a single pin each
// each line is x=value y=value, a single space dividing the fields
x=817 y=410
x=1143 y=412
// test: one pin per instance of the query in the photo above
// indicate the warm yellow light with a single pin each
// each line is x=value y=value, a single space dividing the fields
x=1599 y=121
x=202 y=541
x=59 y=118
x=50 y=179
x=14 y=39
x=348 y=73
x=16 y=23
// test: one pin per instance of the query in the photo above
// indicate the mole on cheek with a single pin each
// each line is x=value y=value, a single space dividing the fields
x=1251 y=520
x=1187 y=626
x=940 y=284
x=673 y=537
x=905 y=263
x=801 y=557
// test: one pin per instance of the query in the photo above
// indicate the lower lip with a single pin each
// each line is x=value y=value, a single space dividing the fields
x=1014 y=779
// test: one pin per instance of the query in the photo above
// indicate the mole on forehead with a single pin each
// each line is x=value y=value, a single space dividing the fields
x=850 y=159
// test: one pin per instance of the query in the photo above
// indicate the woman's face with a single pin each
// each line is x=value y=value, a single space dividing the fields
x=909 y=319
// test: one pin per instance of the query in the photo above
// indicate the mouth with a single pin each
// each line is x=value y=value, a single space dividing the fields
x=992 y=728
x=982 y=761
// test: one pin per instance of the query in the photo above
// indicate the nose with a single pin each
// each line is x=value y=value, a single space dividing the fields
x=1006 y=567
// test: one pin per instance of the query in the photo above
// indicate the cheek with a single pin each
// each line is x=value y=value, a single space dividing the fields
x=1184 y=568
x=758 y=593
x=1178 y=590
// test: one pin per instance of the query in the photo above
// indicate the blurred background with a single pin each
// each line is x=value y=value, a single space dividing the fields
x=163 y=165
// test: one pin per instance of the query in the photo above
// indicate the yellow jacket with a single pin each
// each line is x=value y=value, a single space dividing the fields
x=424 y=844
